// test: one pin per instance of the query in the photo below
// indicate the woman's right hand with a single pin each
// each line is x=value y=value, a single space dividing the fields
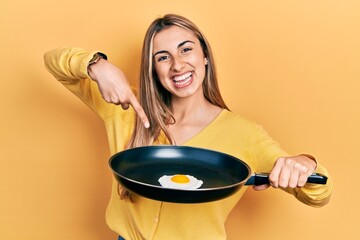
x=114 y=87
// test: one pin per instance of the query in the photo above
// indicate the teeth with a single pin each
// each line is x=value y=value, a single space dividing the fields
x=182 y=83
x=182 y=77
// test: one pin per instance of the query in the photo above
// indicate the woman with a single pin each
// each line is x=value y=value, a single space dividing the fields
x=179 y=103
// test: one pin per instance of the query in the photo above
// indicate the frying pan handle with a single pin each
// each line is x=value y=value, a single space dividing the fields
x=263 y=178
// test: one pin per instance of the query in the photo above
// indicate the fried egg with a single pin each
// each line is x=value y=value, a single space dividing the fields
x=180 y=181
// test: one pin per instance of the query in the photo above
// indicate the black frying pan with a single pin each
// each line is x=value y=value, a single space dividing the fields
x=139 y=169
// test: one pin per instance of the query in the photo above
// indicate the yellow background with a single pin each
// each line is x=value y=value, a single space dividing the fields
x=291 y=65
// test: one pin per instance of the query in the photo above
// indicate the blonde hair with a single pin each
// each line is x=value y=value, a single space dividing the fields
x=154 y=98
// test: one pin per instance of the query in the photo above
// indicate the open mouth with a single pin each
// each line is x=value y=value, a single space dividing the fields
x=183 y=80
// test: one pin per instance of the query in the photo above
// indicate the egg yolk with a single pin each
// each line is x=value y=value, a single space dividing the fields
x=180 y=179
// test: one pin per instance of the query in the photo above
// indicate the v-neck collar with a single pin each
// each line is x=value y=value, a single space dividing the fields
x=163 y=140
x=205 y=129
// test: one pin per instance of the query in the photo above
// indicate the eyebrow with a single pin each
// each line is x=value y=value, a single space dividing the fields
x=179 y=46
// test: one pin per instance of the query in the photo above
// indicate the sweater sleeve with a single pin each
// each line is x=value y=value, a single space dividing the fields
x=266 y=151
x=69 y=67
x=315 y=195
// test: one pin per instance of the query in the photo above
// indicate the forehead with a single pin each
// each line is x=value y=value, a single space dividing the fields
x=171 y=37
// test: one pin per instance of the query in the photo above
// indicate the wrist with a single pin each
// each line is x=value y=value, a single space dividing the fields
x=97 y=57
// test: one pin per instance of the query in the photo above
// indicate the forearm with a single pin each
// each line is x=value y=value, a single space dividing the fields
x=68 y=65
x=94 y=80
x=267 y=151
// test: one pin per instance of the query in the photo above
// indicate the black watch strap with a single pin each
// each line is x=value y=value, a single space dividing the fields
x=97 y=56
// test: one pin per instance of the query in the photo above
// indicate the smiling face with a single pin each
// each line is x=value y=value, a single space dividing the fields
x=179 y=62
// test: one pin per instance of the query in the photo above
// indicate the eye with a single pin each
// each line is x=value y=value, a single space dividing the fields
x=186 y=49
x=162 y=58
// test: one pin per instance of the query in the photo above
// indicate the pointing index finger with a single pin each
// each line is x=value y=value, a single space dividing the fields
x=140 y=112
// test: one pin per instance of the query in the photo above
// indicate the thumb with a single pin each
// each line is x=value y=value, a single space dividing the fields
x=261 y=187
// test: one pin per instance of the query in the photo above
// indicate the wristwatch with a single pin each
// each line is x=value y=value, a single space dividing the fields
x=96 y=58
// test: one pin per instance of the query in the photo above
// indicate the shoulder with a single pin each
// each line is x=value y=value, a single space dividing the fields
x=237 y=120
x=235 y=124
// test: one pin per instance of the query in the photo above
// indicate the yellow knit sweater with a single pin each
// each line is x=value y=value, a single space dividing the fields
x=228 y=133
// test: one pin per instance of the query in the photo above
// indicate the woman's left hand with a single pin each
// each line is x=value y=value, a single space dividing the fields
x=292 y=171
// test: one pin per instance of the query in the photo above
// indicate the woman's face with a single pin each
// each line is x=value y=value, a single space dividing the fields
x=179 y=62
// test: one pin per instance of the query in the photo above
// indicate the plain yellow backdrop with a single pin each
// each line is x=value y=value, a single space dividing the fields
x=290 y=65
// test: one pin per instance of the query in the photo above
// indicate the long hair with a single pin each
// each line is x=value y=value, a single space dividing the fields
x=154 y=98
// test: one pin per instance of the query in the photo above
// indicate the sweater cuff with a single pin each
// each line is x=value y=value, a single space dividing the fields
x=310 y=157
x=87 y=59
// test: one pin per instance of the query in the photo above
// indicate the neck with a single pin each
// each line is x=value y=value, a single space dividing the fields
x=192 y=115
x=192 y=108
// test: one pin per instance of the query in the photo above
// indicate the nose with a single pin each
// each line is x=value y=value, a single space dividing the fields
x=177 y=64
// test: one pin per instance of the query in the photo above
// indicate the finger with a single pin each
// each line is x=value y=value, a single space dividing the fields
x=113 y=98
x=275 y=172
x=125 y=106
x=285 y=173
x=140 y=112
x=295 y=174
x=304 y=174
x=261 y=187
x=107 y=98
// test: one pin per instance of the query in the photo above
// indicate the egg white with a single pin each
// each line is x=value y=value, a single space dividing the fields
x=194 y=183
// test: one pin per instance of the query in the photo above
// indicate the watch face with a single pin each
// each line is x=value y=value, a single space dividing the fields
x=95 y=59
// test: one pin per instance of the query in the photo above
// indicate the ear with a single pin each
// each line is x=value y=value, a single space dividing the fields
x=206 y=61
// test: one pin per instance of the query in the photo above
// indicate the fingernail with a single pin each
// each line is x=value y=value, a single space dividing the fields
x=147 y=125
